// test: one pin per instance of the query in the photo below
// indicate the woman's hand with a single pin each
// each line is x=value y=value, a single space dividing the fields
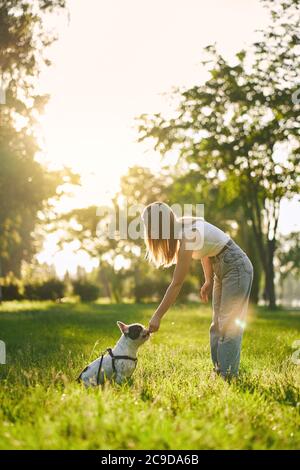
x=206 y=291
x=154 y=324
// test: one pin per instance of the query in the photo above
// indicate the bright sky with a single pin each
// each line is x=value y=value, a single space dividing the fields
x=113 y=61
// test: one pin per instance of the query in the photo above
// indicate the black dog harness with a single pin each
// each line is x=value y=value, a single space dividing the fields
x=113 y=361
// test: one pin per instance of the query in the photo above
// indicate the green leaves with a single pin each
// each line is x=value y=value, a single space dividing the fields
x=234 y=121
x=25 y=185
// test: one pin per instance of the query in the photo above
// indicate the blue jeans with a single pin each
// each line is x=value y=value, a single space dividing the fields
x=233 y=275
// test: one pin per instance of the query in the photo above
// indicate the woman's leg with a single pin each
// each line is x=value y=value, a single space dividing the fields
x=214 y=328
x=229 y=353
x=235 y=292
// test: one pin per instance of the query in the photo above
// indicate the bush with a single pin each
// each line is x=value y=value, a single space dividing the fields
x=87 y=291
x=151 y=289
x=53 y=289
x=11 y=292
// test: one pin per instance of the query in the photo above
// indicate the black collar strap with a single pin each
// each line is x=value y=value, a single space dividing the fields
x=113 y=359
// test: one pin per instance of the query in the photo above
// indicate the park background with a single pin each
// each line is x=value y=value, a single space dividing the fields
x=104 y=104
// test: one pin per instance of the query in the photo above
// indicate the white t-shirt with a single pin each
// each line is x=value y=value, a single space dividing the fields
x=205 y=239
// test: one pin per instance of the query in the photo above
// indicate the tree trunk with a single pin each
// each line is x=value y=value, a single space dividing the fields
x=266 y=252
x=137 y=277
x=1 y=292
x=269 y=275
x=105 y=283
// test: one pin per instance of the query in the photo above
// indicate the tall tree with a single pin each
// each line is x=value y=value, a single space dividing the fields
x=25 y=185
x=240 y=129
x=289 y=256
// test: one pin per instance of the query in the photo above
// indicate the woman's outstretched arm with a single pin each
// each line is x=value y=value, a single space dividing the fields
x=180 y=272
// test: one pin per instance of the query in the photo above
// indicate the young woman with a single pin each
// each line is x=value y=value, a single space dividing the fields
x=228 y=275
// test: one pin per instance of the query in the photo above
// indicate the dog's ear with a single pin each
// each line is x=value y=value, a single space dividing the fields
x=123 y=327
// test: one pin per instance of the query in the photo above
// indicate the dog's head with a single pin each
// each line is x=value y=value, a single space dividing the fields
x=134 y=332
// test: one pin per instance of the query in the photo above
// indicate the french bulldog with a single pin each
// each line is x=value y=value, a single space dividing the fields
x=118 y=363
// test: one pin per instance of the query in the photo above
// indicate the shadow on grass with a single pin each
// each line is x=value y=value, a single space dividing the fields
x=282 y=390
x=282 y=318
x=74 y=324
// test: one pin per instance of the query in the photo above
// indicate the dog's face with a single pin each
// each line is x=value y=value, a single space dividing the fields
x=135 y=332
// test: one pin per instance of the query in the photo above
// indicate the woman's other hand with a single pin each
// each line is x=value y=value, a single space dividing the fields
x=206 y=291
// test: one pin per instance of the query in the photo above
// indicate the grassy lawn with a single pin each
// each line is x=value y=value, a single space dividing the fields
x=173 y=402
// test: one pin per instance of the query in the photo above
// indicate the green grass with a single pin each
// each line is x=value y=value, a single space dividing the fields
x=172 y=403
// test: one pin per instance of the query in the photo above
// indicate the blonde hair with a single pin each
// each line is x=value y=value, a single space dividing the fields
x=162 y=247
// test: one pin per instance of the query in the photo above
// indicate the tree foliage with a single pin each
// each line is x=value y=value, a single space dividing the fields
x=239 y=131
x=26 y=185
